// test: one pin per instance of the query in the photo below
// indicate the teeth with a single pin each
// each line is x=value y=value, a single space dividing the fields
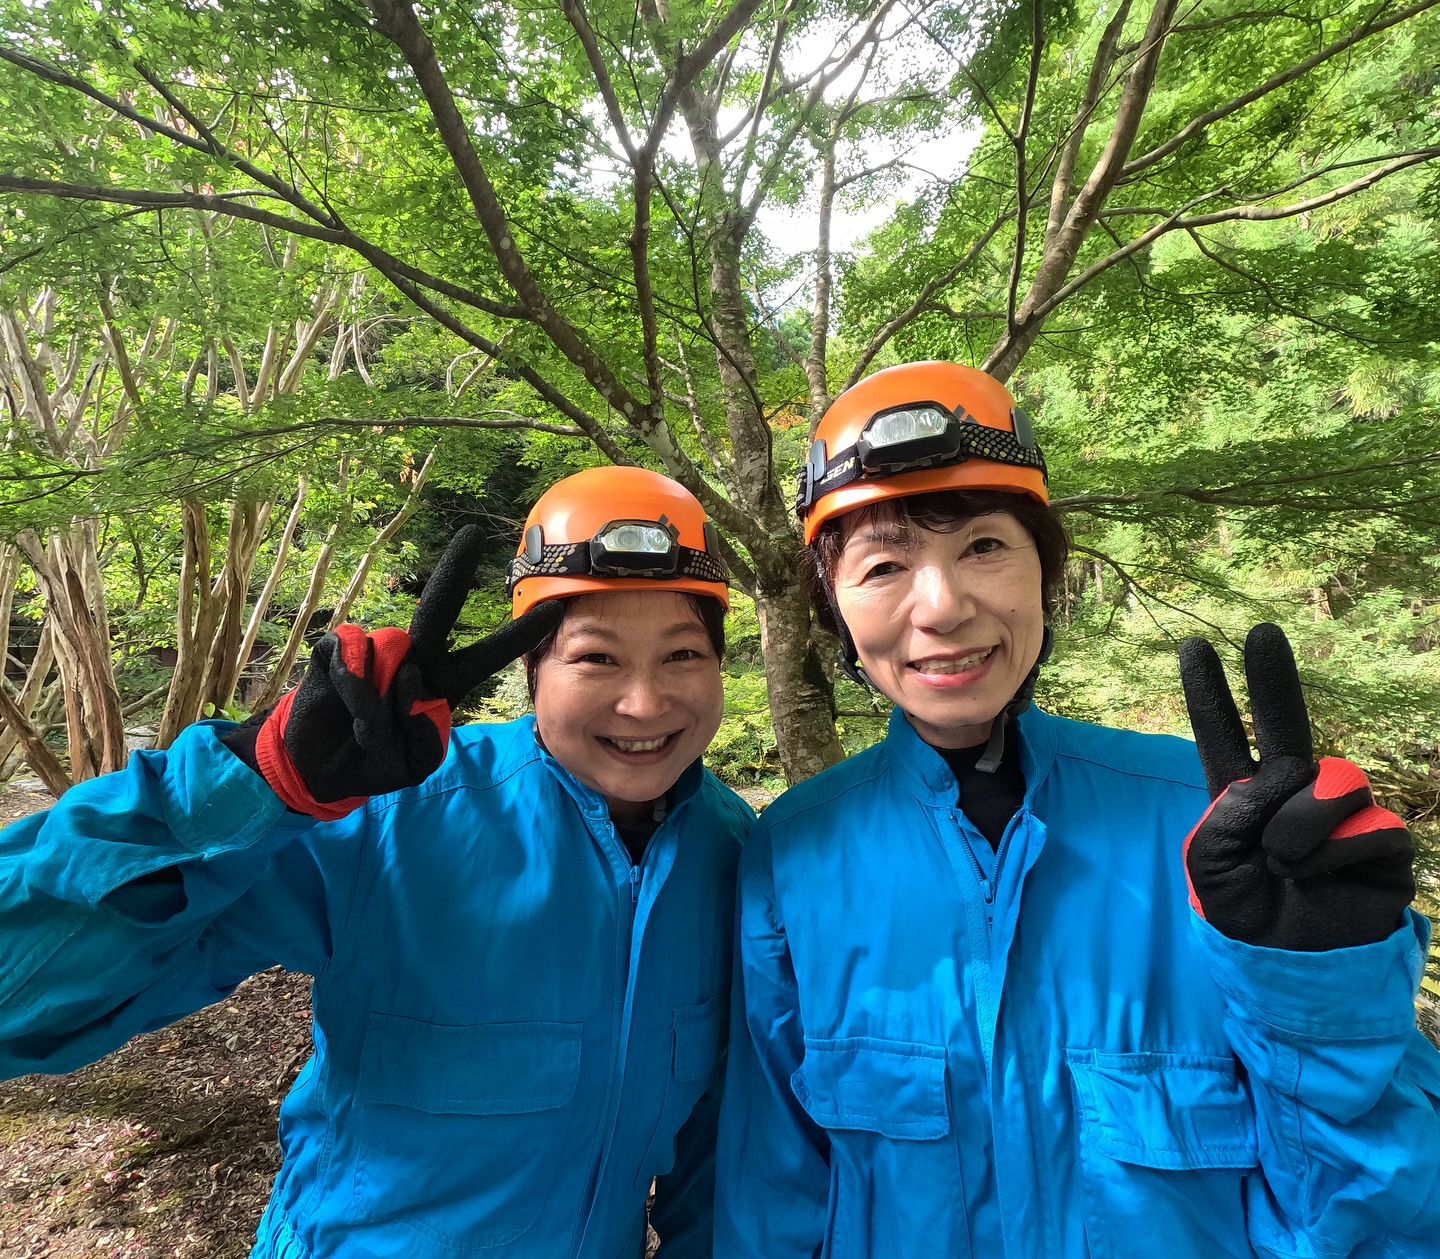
x=641 y=745
x=954 y=666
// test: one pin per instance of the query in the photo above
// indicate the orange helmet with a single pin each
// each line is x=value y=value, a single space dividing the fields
x=916 y=428
x=615 y=529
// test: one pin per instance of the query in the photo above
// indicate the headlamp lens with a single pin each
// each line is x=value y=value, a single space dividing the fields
x=636 y=539
x=908 y=425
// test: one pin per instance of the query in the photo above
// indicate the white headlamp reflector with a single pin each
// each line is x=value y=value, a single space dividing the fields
x=636 y=539
x=907 y=425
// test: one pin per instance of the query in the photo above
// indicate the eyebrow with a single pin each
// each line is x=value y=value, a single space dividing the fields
x=881 y=535
x=598 y=629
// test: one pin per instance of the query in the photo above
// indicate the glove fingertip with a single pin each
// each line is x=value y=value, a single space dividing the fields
x=1338 y=777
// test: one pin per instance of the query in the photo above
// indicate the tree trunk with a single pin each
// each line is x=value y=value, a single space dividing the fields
x=40 y=758
x=68 y=572
x=280 y=673
x=30 y=693
x=209 y=615
x=802 y=704
x=362 y=569
x=223 y=661
x=262 y=602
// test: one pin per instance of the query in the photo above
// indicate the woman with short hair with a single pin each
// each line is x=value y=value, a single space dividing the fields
x=520 y=934
x=991 y=1000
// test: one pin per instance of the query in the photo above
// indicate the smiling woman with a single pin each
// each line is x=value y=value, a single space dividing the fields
x=984 y=1011
x=628 y=694
x=627 y=688
x=521 y=934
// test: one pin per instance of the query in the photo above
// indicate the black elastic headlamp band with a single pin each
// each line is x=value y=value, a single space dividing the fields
x=572 y=559
x=977 y=441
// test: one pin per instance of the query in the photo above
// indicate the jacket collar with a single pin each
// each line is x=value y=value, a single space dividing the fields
x=928 y=776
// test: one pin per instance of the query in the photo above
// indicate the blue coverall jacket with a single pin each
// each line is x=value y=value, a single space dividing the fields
x=515 y=1027
x=942 y=1052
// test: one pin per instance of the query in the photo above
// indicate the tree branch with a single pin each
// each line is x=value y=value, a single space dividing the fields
x=922 y=300
x=1105 y=56
x=1202 y=121
x=1022 y=133
x=1180 y=221
x=398 y=22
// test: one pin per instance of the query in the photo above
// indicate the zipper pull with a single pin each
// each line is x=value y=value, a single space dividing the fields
x=634 y=886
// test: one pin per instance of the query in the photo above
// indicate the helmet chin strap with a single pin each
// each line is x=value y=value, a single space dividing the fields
x=850 y=664
x=994 y=752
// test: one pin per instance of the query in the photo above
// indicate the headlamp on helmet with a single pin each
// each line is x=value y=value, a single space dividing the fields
x=648 y=549
x=635 y=548
x=919 y=435
x=615 y=528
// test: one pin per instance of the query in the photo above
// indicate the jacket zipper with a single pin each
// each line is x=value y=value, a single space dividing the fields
x=986 y=889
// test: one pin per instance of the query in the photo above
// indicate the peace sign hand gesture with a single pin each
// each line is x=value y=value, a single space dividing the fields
x=1290 y=854
x=372 y=714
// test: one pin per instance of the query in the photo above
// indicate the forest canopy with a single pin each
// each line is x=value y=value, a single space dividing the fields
x=290 y=292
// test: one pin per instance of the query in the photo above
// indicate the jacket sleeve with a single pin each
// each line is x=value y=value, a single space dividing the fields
x=773 y=1171
x=1346 y=1093
x=683 y=1215
x=151 y=892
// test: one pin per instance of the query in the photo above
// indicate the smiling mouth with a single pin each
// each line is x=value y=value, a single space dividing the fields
x=639 y=745
x=960 y=665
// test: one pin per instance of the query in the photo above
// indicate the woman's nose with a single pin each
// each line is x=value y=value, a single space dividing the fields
x=942 y=601
x=643 y=695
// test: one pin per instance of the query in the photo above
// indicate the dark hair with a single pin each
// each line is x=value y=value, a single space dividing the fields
x=709 y=611
x=941 y=511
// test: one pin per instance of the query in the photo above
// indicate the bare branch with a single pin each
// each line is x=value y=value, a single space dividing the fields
x=1180 y=221
x=1141 y=594
x=689 y=66
x=574 y=12
x=53 y=74
x=1022 y=133
x=231 y=205
x=1105 y=55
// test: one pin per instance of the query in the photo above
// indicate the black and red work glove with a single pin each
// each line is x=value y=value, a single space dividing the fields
x=1290 y=854
x=372 y=714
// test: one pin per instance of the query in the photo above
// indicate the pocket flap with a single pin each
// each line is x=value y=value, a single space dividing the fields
x=699 y=1037
x=1171 y=1111
x=476 y=1069
x=893 y=1087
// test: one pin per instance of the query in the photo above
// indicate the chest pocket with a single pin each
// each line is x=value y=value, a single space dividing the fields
x=698 y=1034
x=894 y=1167
x=462 y=1132
x=1165 y=1143
x=697 y=1052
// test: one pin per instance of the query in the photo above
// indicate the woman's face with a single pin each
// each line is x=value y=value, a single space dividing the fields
x=629 y=695
x=947 y=625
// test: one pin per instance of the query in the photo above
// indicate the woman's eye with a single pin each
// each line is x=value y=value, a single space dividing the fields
x=882 y=569
x=685 y=653
x=593 y=657
x=984 y=546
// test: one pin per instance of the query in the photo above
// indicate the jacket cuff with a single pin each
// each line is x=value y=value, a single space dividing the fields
x=212 y=801
x=1351 y=994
